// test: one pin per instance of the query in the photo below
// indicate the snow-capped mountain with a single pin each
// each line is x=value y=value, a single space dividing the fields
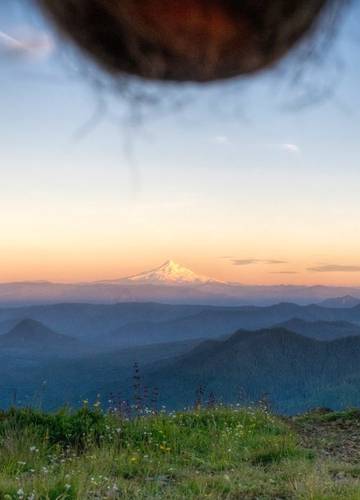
x=170 y=273
x=172 y=283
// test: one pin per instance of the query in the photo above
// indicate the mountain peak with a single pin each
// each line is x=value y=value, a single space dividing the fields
x=170 y=265
x=29 y=332
x=170 y=272
x=30 y=327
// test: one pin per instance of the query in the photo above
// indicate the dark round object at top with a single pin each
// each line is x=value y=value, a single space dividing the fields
x=185 y=40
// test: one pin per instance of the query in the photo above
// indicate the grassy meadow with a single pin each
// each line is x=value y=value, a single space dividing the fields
x=214 y=453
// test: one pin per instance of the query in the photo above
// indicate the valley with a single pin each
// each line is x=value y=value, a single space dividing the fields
x=298 y=357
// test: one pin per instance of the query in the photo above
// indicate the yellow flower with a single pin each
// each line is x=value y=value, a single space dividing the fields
x=164 y=448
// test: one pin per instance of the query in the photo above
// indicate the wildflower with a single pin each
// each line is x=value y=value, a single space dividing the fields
x=33 y=449
x=164 y=448
x=67 y=486
x=20 y=493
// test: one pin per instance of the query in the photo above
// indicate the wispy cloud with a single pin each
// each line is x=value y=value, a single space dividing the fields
x=284 y=272
x=334 y=268
x=244 y=262
x=290 y=148
x=287 y=147
x=30 y=46
x=247 y=262
x=222 y=139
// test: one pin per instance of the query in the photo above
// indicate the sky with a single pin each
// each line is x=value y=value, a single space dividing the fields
x=254 y=180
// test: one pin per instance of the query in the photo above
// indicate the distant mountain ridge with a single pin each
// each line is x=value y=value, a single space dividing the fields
x=170 y=283
x=322 y=330
x=345 y=301
x=130 y=324
x=313 y=321
x=296 y=369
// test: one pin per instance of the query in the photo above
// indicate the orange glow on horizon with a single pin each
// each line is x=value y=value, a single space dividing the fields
x=77 y=266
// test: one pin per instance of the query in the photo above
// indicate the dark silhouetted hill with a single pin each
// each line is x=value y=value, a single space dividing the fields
x=31 y=334
x=291 y=369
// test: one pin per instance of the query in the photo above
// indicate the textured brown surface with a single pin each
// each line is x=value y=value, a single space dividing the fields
x=185 y=40
x=337 y=438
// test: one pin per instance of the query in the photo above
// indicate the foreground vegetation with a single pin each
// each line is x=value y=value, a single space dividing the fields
x=207 y=453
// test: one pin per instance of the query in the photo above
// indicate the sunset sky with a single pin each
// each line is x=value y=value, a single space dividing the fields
x=255 y=181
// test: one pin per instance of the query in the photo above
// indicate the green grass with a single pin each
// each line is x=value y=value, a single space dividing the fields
x=216 y=454
x=318 y=416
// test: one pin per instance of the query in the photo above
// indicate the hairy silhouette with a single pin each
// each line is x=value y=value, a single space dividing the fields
x=188 y=40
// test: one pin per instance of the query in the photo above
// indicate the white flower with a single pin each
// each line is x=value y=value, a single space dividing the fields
x=67 y=486
x=20 y=492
